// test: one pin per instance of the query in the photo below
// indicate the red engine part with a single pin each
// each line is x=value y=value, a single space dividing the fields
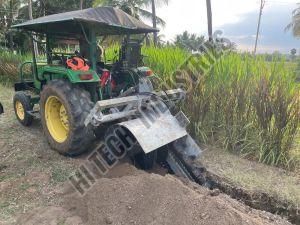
x=76 y=63
x=105 y=78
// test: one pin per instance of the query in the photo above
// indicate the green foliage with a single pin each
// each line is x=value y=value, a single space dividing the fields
x=242 y=103
x=134 y=8
x=164 y=61
x=16 y=11
x=112 y=53
x=48 y=7
x=297 y=67
x=247 y=106
x=295 y=25
x=9 y=66
x=189 y=41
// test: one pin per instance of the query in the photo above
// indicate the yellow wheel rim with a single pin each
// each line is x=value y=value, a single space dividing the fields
x=57 y=119
x=20 y=110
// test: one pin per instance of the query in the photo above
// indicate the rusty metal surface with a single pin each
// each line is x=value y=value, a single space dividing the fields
x=155 y=134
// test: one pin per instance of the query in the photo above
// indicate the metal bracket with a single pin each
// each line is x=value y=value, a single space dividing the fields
x=127 y=106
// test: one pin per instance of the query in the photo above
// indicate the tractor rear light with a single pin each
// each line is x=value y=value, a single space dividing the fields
x=86 y=76
x=149 y=73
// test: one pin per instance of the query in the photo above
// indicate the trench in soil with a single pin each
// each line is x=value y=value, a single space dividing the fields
x=255 y=199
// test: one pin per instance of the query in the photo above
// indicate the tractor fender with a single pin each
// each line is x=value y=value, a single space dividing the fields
x=74 y=76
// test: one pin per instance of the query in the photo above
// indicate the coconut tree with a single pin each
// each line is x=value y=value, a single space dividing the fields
x=189 y=41
x=154 y=3
x=209 y=19
x=295 y=24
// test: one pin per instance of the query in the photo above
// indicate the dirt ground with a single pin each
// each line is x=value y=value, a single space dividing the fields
x=142 y=198
x=34 y=188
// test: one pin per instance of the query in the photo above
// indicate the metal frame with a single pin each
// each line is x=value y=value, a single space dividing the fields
x=130 y=106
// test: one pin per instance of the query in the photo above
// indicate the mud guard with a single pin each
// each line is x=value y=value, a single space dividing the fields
x=154 y=134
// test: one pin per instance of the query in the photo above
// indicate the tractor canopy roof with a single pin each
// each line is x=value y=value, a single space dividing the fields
x=103 y=20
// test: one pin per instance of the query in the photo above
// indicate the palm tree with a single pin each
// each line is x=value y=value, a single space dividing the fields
x=154 y=22
x=262 y=5
x=189 y=41
x=135 y=8
x=295 y=24
x=154 y=17
x=209 y=20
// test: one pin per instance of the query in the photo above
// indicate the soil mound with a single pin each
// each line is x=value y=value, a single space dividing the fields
x=153 y=199
x=130 y=196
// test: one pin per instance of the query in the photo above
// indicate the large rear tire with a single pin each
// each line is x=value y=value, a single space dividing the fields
x=64 y=108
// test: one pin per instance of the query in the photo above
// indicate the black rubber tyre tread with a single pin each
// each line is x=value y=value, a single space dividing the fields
x=146 y=161
x=1 y=109
x=78 y=104
x=25 y=101
x=136 y=153
x=162 y=154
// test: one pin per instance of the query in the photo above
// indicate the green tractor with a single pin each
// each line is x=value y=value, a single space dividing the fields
x=80 y=96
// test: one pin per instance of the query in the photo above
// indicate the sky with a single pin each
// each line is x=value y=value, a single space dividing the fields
x=237 y=19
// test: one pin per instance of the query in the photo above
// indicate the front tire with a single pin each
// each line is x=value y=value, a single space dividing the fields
x=21 y=107
x=64 y=108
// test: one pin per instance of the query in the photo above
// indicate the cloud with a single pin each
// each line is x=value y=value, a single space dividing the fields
x=272 y=35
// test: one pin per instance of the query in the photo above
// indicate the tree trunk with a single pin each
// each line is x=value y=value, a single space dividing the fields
x=10 y=20
x=209 y=20
x=262 y=4
x=147 y=40
x=81 y=4
x=154 y=22
x=43 y=5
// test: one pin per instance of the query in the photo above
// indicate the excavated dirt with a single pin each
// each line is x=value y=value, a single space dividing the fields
x=142 y=198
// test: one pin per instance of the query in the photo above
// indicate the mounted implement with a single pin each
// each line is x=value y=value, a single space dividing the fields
x=81 y=96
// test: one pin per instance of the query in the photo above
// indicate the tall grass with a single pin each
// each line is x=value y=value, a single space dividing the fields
x=247 y=106
x=9 y=66
x=163 y=60
x=241 y=103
